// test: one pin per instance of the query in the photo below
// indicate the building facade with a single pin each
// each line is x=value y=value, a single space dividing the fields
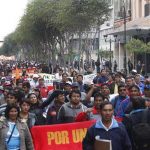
x=127 y=16
x=131 y=16
x=93 y=42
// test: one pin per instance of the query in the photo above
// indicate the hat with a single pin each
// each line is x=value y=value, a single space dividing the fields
x=134 y=71
x=68 y=83
x=35 y=75
x=3 y=78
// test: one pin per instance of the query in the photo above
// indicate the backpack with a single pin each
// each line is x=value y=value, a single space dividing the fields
x=141 y=132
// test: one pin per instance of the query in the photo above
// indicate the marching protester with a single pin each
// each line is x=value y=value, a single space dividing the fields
x=146 y=92
x=2 y=99
x=103 y=78
x=34 y=82
x=26 y=88
x=122 y=95
x=110 y=79
x=114 y=85
x=80 y=82
x=76 y=87
x=125 y=105
x=74 y=75
x=105 y=91
x=38 y=93
x=59 y=74
x=70 y=110
x=19 y=83
x=36 y=109
x=25 y=116
x=63 y=80
x=71 y=97
x=107 y=128
x=129 y=81
x=67 y=88
x=52 y=113
x=138 y=125
x=13 y=133
x=95 y=80
x=43 y=90
x=91 y=113
x=11 y=98
x=5 y=91
x=139 y=82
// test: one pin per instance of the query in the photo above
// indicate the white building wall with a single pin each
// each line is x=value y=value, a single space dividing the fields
x=137 y=8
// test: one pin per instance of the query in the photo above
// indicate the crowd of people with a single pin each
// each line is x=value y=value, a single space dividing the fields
x=119 y=103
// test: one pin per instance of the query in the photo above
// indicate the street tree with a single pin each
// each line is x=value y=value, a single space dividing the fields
x=9 y=46
x=137 y=46
x=48 y=27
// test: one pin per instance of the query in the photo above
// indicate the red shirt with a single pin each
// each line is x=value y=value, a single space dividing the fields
x=43 y=91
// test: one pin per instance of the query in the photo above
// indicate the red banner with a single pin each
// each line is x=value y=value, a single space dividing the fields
x=29 y=71
x=61 y=136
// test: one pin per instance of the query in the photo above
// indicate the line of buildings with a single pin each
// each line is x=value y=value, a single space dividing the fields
x=129 y=19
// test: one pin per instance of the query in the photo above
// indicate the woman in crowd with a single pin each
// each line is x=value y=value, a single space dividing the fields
x=36 y=109
x=38 y=94
x=25 y=115
x=74 y=75
x=14 y=135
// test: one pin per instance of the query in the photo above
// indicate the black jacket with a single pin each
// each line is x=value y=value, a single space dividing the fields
x=136 y=116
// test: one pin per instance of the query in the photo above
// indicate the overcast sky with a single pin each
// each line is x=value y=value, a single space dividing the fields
x=10 y=14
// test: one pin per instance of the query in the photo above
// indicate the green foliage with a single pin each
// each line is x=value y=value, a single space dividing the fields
x=137 y=46
x=48 y=25
x=9 y=46
x=81 y=15
x=148 y=47
x=105 y=54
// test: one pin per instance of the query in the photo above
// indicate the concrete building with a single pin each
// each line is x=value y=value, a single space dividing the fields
x=137 y=25
x=135 y=13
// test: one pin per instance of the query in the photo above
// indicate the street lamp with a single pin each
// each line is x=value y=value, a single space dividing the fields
x=110 y=42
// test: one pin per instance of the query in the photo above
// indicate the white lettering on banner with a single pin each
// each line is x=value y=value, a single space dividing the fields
x=48 y=78
x=89 y=78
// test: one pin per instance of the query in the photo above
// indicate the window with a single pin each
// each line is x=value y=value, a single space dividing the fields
x=147 y=9
x=118 y=8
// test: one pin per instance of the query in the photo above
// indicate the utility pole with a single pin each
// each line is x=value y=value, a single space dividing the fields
x=125 y=36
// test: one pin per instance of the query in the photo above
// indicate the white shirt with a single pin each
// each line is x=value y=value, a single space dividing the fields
x=34 y=84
